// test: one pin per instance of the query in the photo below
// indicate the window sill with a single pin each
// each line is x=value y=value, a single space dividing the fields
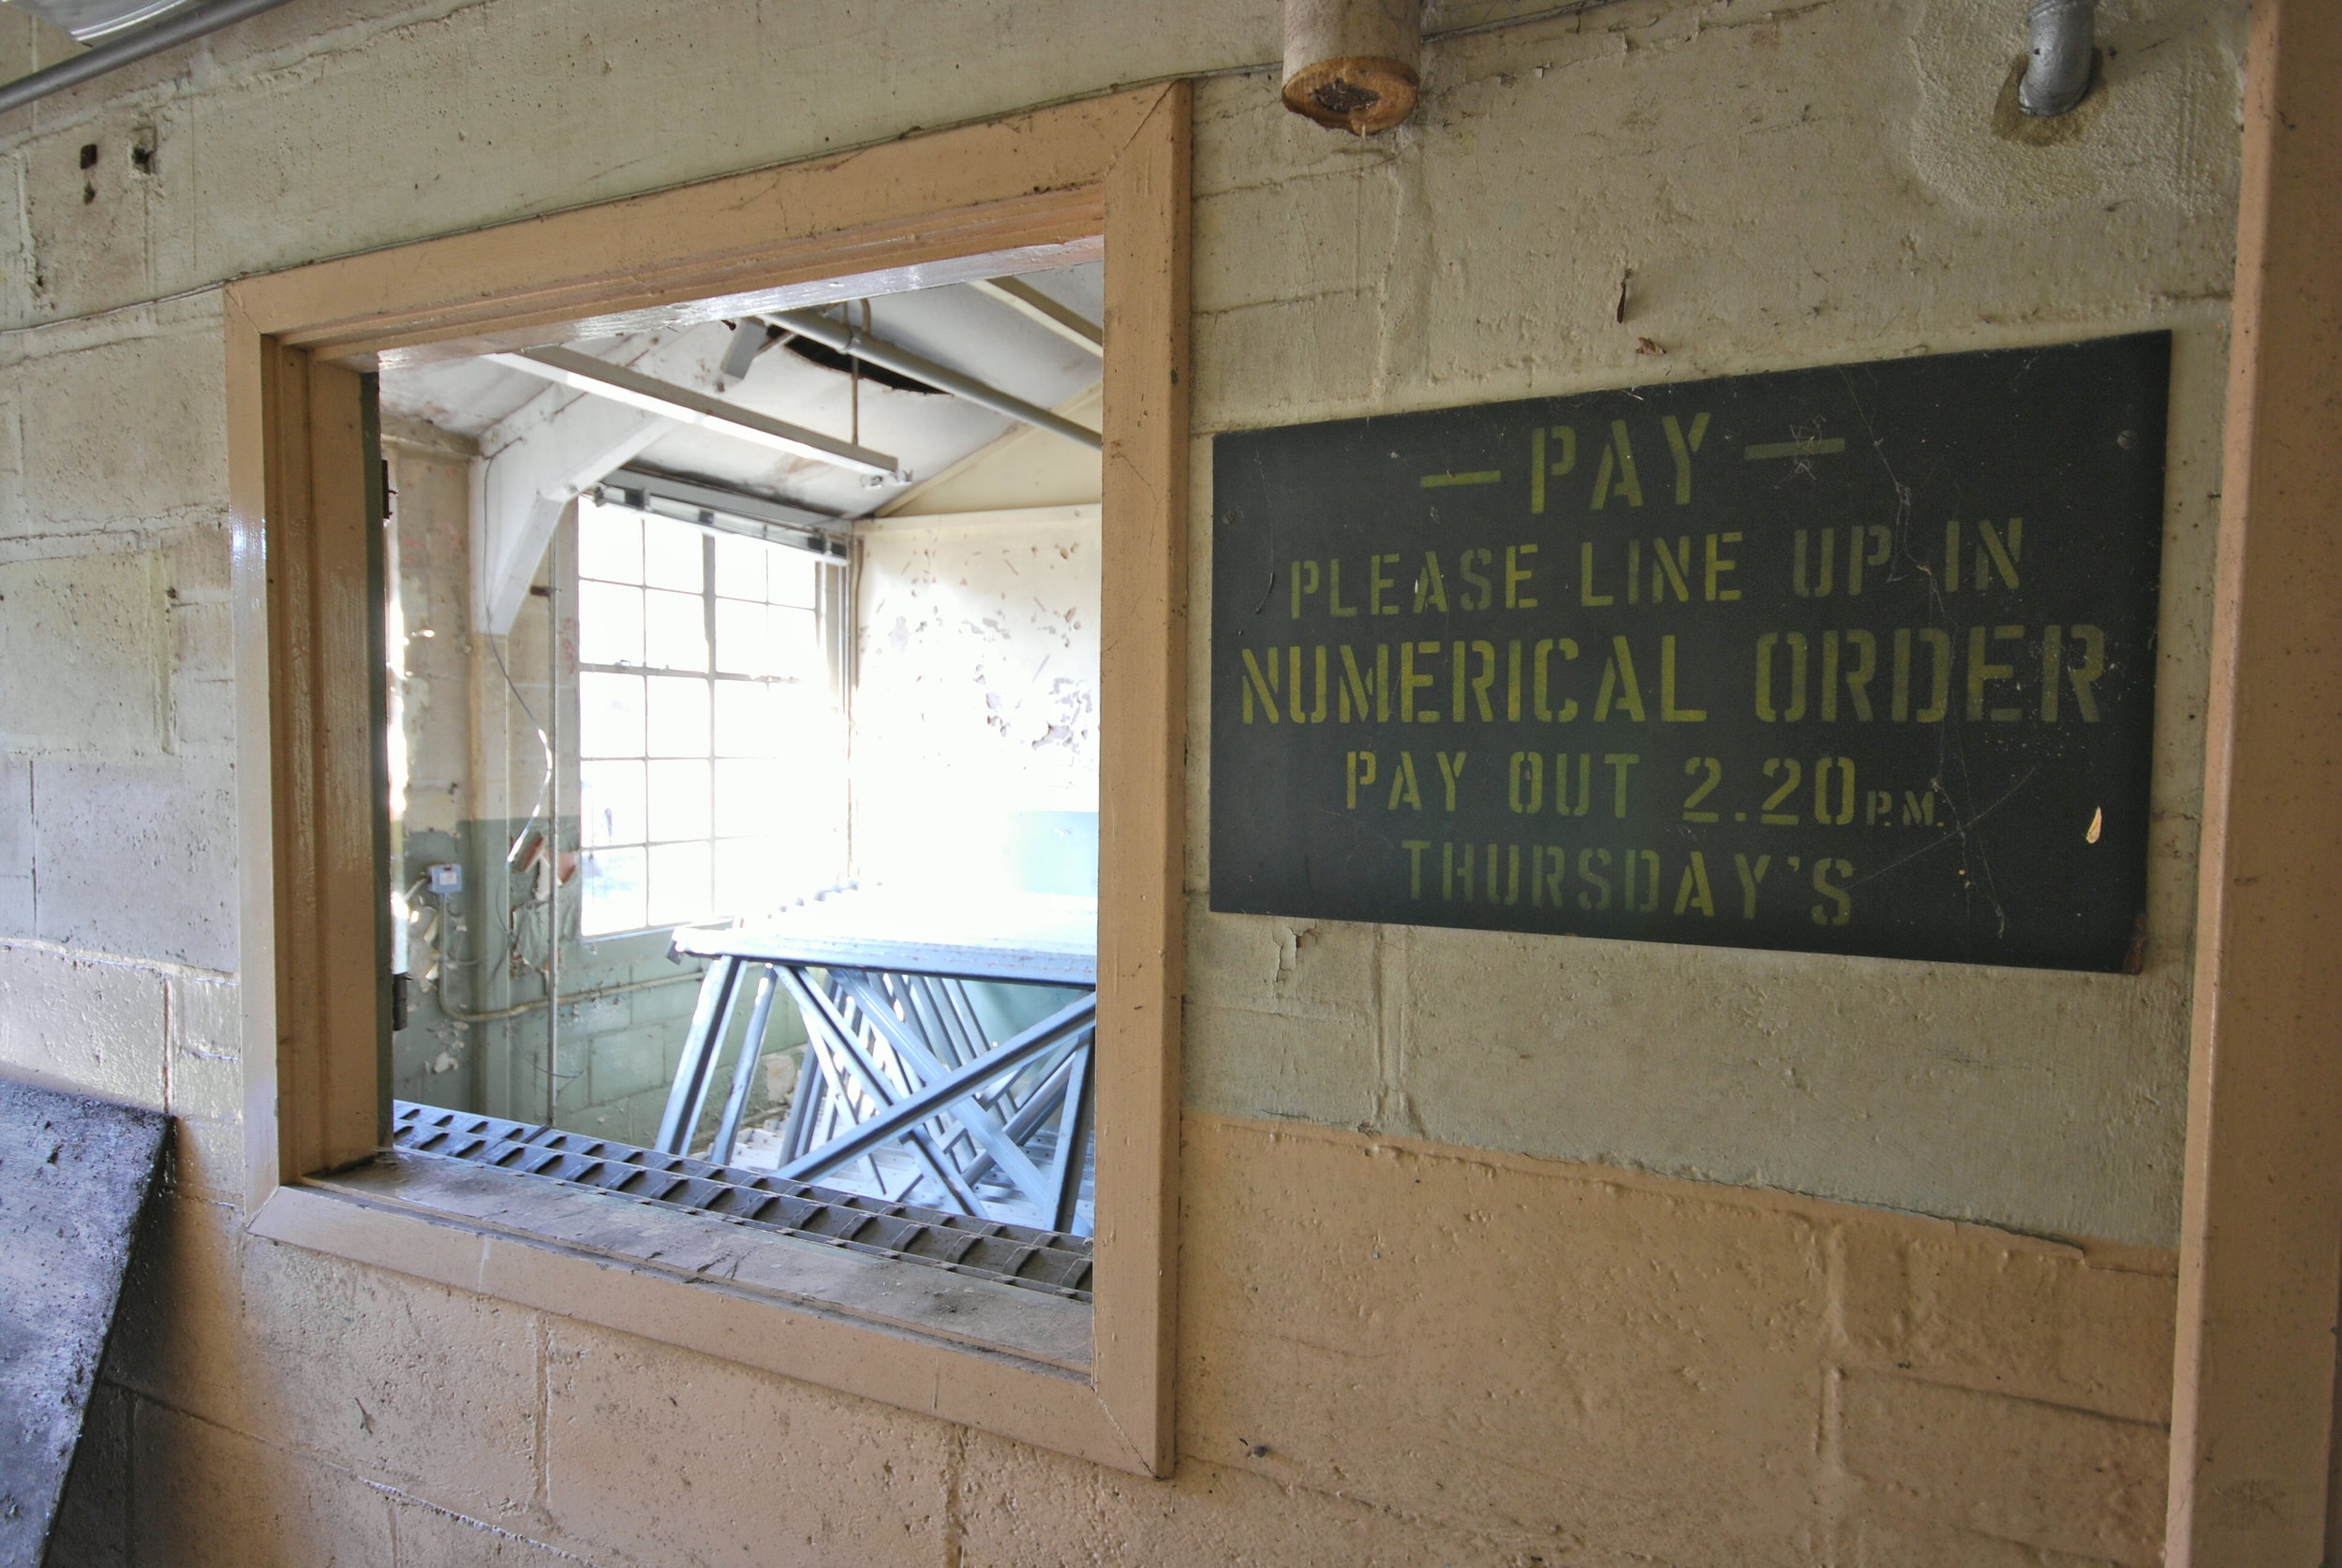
x=993 y=1356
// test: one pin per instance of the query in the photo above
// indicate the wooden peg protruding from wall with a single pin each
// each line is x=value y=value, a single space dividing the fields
x=1352 y=63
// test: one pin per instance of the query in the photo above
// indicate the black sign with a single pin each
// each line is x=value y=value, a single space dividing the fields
x=1853 y=660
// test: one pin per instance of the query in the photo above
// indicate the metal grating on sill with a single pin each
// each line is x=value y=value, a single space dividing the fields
x=1020 y=1255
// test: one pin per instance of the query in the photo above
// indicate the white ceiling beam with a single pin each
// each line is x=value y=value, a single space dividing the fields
x=540 y=458
x=873 y=349
x=1085 y=404
x=619 y=384
x=1031 y=304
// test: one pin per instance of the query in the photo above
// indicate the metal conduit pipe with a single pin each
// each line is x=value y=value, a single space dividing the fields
x=2058 y=57
x=574 y=998
x=168 y=34
x=878 y=351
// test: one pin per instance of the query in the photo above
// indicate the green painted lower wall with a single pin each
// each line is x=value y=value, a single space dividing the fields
x=624 y=1011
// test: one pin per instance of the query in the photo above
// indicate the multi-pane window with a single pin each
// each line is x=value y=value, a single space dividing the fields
x=712 y=770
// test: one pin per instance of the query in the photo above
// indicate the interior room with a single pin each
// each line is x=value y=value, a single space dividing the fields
x=749 y=624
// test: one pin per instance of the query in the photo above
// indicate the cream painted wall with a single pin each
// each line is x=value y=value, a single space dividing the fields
x=975 y=708
x=975 y=700
x=1434 y=1341
x=1027 y=467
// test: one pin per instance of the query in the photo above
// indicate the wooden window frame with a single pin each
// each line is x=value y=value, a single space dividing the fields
x=1107 y=176
x=2255 y=1394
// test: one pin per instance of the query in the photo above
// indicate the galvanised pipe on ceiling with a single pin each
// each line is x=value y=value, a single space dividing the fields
x=185 y=27
x=878 y=351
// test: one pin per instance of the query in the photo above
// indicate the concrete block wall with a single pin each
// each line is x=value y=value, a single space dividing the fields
x=116 y=665
x=1488 y=1250
x=1683 y=1373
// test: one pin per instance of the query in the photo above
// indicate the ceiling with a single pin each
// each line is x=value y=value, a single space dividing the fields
x=958 y=326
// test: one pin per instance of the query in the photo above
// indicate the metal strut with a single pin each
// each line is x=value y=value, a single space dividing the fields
x=896 y=1058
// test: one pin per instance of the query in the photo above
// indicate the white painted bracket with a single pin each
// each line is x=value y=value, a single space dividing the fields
x=546 y=454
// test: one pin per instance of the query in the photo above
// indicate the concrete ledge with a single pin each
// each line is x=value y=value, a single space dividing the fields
x=1012 y=1362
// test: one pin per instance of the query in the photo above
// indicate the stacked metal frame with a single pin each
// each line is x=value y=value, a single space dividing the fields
x=897 y=1058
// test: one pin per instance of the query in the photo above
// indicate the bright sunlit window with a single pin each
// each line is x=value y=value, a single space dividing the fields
x=712 y=780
